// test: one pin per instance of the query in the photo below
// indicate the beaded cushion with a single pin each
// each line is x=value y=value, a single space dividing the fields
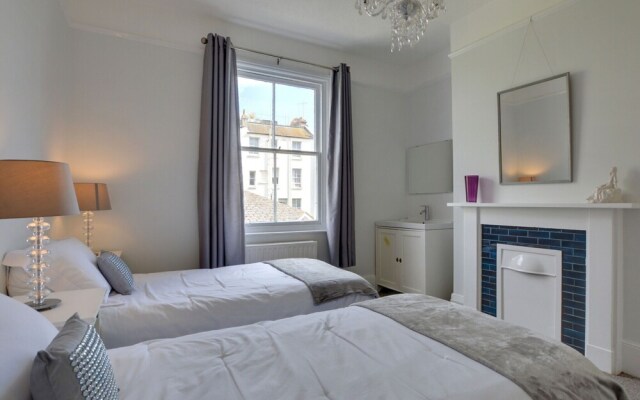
x=116 y=272
x=74 y=366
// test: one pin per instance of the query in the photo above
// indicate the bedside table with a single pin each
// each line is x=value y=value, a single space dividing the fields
x=116 y=252
x=85 y=302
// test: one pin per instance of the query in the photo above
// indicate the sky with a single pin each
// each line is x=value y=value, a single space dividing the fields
x=291 y=101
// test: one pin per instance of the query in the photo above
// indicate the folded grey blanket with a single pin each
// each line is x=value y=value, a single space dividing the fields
x=543 y=368
x=325 y=282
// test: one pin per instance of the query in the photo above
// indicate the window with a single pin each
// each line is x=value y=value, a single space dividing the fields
x=282 y=115
x=297 y=146
x=252 y=178
x=296 y=177
x=254 y=142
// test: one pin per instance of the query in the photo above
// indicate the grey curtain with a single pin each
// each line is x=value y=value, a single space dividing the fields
x=340 y=199
x=220 y=197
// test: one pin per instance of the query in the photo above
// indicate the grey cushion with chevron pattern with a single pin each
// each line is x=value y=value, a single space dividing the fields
x=116 y=272
x=75 y=366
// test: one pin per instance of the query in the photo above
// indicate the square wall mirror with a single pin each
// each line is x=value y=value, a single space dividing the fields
x=430 y=168
x=535 y=132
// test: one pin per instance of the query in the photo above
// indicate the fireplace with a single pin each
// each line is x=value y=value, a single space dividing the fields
x=571 y=246
x=590 y=239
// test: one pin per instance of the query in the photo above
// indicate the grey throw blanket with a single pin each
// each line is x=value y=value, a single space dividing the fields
x=543 y=368
x=325 y=281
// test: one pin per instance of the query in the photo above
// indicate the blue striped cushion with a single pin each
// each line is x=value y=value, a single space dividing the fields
x=116 y=272
x=74 y=366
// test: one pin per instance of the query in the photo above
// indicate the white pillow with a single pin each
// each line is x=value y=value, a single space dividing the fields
x=72 y=266
x=23 y=332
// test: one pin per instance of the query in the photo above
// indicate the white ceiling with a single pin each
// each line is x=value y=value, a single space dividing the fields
x=331 y=23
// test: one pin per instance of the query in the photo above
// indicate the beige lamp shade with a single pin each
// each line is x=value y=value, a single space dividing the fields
x=33 y=188
x=92 y=196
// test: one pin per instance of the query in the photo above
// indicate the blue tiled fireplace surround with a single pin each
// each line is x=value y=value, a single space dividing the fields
x=572 y=243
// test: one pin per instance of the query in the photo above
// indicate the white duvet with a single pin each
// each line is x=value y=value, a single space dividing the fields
x=177 y=303
x=351 y=353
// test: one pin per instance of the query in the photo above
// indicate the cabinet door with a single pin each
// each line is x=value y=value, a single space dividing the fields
x=412 y=262
x=386 y=255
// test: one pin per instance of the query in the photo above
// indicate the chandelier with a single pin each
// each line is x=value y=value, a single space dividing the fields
x=409 y=18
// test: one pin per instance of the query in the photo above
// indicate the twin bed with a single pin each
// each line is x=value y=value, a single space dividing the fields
x=377 y=349
x=177 y=303
x=197 y=336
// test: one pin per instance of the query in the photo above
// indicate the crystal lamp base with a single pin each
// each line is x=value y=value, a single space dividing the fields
x=47 y=304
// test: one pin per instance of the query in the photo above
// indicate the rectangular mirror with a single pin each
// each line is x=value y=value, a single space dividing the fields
x=535 y=132
x=430 y=168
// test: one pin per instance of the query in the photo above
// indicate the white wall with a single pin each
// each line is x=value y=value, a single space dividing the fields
x=379 y=166
x=598 y=46
x=134 y=124
x=33 y=80
x=429 y=118
x=182 y=28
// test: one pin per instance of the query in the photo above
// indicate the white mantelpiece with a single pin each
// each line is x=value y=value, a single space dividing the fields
x=603 y=226
x=548 y=205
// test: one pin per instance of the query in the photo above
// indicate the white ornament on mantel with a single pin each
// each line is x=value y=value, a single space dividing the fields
x=608 y=192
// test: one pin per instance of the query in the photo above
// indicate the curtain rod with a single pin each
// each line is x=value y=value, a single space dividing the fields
x=204 y=41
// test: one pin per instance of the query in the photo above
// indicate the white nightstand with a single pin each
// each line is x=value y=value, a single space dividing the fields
x=116 y=252
x=85 y=302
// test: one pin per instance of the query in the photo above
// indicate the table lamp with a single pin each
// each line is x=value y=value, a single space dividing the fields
x=37 y=189
x=91 y=197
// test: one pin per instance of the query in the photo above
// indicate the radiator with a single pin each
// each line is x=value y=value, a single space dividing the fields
x=274 y=251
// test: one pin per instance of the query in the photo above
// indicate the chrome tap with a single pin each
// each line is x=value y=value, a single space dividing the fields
x=425 y=211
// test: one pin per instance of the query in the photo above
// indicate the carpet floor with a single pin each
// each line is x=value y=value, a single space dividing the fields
x=630 y=384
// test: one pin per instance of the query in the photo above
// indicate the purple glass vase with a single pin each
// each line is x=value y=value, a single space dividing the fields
x=471 y=186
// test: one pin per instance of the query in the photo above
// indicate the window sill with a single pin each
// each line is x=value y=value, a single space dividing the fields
x=268 y=229
x=289 y=232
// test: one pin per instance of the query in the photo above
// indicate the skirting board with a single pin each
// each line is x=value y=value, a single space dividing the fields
x=631 y=358
x=457 y=298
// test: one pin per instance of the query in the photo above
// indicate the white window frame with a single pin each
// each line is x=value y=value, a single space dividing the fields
x=294 y=184
x=254 y=153
x=299 y=143
x=321 y=82
x=254 y=178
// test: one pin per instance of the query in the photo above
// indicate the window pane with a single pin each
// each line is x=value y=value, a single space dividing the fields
x=297 y=187
x=296 y=178
x=258 y=187
x=256 y=105
x=295 y=117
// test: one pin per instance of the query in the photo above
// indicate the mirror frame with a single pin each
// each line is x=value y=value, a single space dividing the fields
x=568 y=82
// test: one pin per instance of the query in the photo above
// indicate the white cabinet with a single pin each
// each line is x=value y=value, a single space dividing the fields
x=416 y=260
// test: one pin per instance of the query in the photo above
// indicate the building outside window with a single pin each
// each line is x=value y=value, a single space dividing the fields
x=297 y=146
x=296 y=177
x=280 y=133
x=254 y=142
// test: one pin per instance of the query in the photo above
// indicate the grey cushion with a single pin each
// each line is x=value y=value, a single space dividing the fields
x=74 y=366
x=117 y=272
